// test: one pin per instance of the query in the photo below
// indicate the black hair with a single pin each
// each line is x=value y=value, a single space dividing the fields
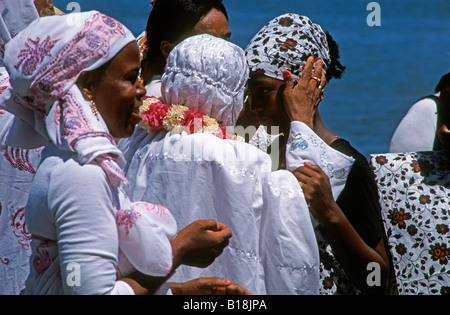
x=336 y=69
x=173 y=21
x=443 y=83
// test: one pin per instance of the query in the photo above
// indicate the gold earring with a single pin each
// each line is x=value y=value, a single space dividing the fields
x=94 y=109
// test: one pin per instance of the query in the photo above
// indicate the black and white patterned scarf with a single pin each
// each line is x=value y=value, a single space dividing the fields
x=285 y=43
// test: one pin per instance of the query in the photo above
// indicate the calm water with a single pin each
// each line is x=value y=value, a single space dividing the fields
x=388 y=67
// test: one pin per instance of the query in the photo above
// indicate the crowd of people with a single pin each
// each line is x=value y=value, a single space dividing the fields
x=180 y=163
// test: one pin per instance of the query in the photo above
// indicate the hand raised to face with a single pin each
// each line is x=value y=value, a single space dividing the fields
x=301 y=99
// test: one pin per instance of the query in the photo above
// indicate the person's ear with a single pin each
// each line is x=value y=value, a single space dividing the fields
x=166 y=47
x=85 y=86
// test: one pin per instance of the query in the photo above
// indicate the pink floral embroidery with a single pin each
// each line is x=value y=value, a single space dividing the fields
x=127 y=219
x=19 y=158
x=18 y=225
x=113 y=171
x=41 y=260
x=5 y=261
x=4 y=84
x=32 y=56
x=156 y=210
x=90 y=44
x=70 y=114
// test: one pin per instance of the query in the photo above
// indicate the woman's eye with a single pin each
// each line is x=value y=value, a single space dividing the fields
x=132 y=78
x=264 y=90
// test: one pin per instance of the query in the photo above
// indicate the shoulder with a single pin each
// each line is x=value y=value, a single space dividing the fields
x=361 y=170
x=75 y=172
x=198 y=147
x=65 y=176
x=424 y=109
x=346 y=148
x=426 y=104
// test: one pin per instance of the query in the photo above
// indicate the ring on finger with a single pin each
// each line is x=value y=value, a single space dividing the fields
x=317 y=79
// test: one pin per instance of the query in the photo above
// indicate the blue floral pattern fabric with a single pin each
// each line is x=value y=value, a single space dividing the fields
x=414 y=191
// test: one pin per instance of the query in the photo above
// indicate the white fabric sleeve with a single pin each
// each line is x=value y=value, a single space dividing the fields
x=82 y=205
x=417 y=130
x=305 y=146
x=145 y=232
x=121 y=288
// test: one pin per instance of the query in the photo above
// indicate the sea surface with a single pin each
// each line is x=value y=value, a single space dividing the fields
x=389 y=66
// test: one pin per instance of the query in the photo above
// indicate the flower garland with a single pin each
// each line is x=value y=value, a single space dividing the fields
x=157 y=116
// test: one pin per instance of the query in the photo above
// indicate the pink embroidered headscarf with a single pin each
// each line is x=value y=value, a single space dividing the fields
x=44 y=62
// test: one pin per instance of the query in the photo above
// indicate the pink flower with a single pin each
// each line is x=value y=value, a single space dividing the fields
x=193 y=120
x=155 y=115
x=224 y=132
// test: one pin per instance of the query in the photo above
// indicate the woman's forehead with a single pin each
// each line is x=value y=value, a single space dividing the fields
x=261 y=79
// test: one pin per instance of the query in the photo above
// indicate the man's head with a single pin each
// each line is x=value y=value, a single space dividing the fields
x=172 y=21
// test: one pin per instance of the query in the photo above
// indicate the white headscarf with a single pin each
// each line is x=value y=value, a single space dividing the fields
x=15 y=15
x=44 y=62
x=196 y=79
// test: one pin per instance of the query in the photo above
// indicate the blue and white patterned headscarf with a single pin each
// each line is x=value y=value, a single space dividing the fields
x=44 y=62
x=285 y=43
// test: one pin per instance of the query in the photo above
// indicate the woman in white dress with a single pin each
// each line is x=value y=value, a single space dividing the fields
x=182 y=157
x=74 y=87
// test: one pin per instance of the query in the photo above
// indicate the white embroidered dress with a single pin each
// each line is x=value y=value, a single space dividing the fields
x=17 y=167
x=273 y=249
x=86 y=233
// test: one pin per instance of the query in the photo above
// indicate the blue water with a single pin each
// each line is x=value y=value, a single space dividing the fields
x=388 y=66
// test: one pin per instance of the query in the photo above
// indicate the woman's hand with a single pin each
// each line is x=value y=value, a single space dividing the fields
x=354 y=254
x=208 y=286
x=301 y=100
x=317 y=190
x=200 y=243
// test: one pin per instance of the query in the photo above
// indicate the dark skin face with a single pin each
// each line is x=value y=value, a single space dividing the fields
x=116 y=91
x=267 y=101
x=444 y=120
x=214 y=23
x=276 y=102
